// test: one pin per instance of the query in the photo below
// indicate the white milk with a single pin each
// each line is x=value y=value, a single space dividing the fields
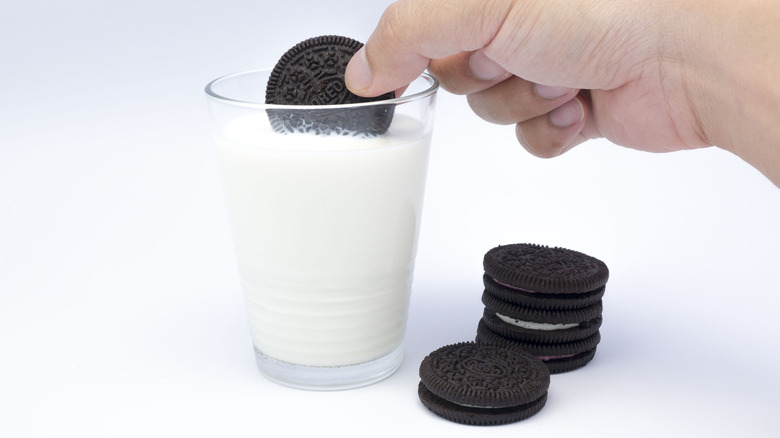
x=325 y=231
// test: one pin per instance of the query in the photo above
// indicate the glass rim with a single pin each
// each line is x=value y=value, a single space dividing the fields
x=210 y=93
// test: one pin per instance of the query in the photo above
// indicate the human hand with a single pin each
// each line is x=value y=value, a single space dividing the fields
x=524 y=63
x=642 y=74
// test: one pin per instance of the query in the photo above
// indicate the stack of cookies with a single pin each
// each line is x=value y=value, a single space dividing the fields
x=544 y=300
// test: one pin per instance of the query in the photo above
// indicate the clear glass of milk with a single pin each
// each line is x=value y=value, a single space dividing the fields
x=325 y=231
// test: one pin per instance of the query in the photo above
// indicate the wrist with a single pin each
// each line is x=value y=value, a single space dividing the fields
x=729 y=65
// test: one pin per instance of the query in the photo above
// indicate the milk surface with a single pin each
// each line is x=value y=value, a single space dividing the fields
x=325 y=231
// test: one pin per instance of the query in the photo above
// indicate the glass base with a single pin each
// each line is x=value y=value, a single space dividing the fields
x=329 y=378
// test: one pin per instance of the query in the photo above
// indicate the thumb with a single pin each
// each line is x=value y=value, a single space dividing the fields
x=412 y=32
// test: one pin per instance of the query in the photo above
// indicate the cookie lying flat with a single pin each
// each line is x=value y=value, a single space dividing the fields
x=312 y=73
x=559 y=357
x=542 y=318
x=524 y=330
x=537 y=268
x=540 y=300
x=483 y=384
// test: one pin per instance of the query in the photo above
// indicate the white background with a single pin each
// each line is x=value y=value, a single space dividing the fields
x=120 y=309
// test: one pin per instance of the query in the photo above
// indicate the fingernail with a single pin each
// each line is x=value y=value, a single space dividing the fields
x=567 y=114
x=485 y=68
x=550 y=92
x=358 y=76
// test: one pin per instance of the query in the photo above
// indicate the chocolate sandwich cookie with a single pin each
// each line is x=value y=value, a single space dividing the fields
x=483 y=384
x=539 y=332
x=544 y=269
x=558 y=357
x=540 y=300
x=569 y=324
x=312 y=73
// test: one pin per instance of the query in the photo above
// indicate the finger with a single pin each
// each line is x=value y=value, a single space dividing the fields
x=412 y=32
x=552 y=134
x=467 y=72
x=517 y=100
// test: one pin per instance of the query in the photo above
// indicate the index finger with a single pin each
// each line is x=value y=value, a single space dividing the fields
x=412 y=32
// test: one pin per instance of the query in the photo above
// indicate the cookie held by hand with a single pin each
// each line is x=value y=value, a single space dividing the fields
x=312 y=74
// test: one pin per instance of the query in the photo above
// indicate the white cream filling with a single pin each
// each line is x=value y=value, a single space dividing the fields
x=535 y=325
